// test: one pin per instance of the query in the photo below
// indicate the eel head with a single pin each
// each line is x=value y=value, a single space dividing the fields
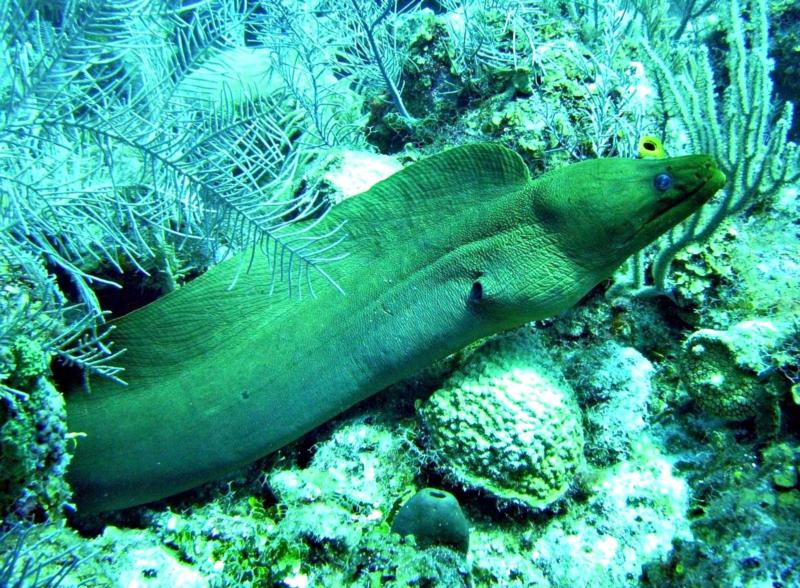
x=608 y=209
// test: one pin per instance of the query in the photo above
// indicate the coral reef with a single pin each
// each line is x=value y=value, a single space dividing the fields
x=743 y=514
x=325 y=524
x=507 y=424
x=630 y=515
x=39 y=556
x=189 y=132
x=635 y=512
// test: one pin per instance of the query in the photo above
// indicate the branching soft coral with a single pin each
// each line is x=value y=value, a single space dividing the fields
x=127 y=129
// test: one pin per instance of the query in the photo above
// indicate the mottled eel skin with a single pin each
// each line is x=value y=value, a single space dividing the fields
x=451 y=249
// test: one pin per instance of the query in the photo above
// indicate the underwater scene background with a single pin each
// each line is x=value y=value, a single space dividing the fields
x=645 y=436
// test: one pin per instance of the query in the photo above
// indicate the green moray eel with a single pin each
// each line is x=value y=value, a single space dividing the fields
x=451 y=249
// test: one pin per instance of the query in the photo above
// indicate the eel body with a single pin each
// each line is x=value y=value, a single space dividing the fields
x=451 y=249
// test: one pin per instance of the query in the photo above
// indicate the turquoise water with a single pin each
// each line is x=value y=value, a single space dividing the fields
x=340 y=374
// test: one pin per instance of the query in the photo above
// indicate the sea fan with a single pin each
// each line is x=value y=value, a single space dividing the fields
x=31 y=557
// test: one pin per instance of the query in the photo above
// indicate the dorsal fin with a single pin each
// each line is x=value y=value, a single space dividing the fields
x=429 y=192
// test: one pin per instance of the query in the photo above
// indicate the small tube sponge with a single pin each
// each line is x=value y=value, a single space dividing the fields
x=433 y=517
x=507 y=424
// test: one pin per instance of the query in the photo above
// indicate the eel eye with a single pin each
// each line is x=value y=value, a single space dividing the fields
x=662 y=182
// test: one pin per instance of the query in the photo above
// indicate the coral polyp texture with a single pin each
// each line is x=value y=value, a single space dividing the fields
x=507 y=424
x=727 y=372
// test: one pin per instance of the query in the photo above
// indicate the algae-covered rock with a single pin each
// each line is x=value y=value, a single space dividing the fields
x=139 y=560
x=780 y=460
x=507 y=424
x=362 y=467
x=613 y=387
x=634 y=513
x=34 y=452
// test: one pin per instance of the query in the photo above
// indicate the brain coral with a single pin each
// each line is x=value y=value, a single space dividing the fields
x=507 y=423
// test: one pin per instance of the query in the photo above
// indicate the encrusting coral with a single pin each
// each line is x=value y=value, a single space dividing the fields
x=727 y=373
